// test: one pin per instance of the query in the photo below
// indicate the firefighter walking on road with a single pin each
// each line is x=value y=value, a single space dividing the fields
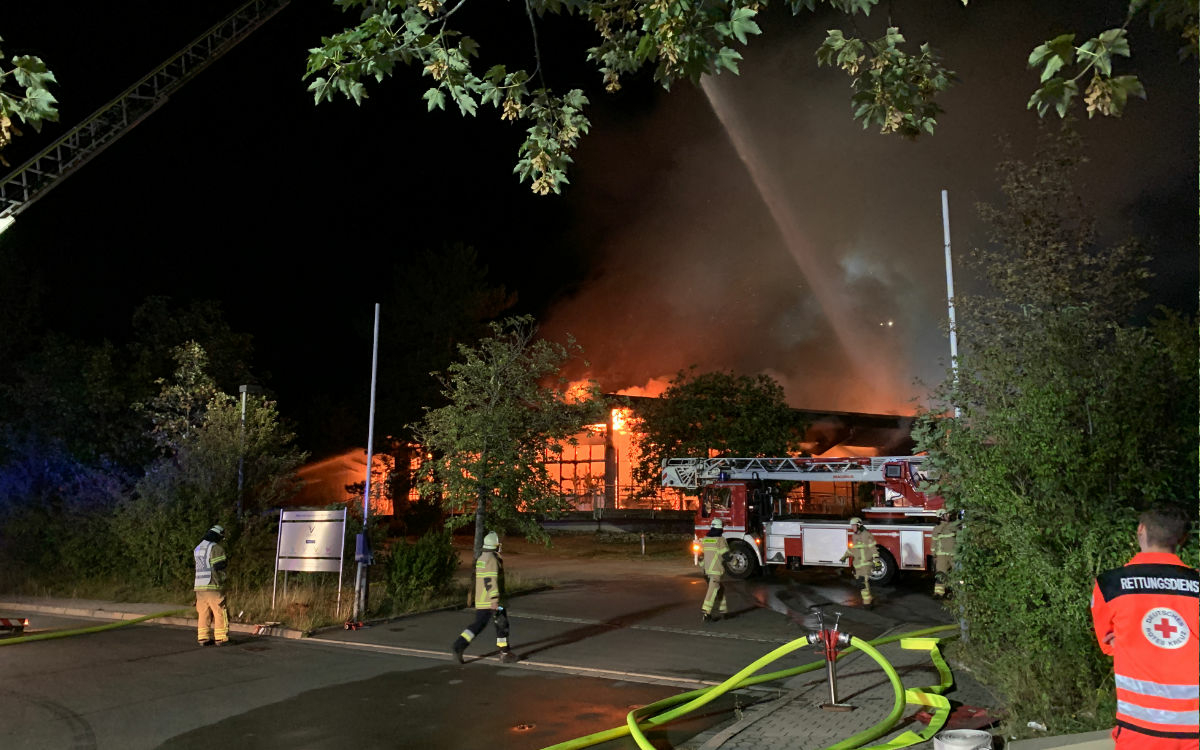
x=213 y=625
x=944 y=539
x=864 y=555
x=716 y=552
x=1145 y=615
x=489 y=602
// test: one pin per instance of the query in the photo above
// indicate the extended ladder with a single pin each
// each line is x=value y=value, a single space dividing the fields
x=32 y=179
x=690 y=473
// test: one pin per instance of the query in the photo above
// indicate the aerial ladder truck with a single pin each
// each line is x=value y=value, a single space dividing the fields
x=795 y=512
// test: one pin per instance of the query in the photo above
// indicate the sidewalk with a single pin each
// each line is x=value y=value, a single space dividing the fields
x=23 y=606
x=793 y=720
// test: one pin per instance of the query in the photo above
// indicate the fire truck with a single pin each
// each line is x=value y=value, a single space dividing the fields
x=796 y=511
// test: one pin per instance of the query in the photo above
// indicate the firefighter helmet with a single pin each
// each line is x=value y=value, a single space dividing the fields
x=491 y=541
x=856 y=521
x=219 y=530
x=717 y=524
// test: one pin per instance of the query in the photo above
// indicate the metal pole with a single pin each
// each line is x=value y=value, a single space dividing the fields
x=242 y=453
x=361 y=586
x=950 y=292
x=341 y=564
x=245 y=389
x=278 y=542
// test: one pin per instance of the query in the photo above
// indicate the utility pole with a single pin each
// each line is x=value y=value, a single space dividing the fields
x=363 y=548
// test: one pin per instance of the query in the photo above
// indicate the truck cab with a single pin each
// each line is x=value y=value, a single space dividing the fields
x=902 y=483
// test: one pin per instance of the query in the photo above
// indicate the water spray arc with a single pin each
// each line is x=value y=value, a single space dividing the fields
x=824 y=286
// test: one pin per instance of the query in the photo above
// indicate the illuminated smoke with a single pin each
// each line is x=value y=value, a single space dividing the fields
x=692 y=261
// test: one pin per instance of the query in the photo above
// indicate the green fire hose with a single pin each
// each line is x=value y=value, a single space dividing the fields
x=636 y=720
x=83 y=631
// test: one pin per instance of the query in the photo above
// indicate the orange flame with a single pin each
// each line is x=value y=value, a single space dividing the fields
x=620 y=419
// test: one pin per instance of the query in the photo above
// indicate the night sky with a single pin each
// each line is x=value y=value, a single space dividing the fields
x=750 y=225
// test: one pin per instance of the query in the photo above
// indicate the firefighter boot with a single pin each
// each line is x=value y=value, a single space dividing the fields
x=456 y=650
x=508 y=657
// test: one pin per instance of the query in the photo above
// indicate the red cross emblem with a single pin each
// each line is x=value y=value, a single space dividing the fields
x=1166 y=628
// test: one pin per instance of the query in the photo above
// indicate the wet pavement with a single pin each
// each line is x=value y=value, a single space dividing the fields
x=608 y=637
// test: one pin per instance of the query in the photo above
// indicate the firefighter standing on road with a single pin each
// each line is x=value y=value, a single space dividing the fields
x=1145 y=616
x=213 y=625
x=489 y=591
x=944 y=542
x=864 y=555
x=716 y=552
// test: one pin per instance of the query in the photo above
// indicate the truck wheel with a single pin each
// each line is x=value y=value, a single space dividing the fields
x=885 y=570
x=742 y=562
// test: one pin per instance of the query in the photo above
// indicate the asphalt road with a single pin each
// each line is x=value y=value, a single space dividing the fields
x=608 y=637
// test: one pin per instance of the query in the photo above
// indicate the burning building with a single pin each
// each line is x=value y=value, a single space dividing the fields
x=595 y=469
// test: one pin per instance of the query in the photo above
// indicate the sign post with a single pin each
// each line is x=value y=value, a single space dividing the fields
x=311 y=541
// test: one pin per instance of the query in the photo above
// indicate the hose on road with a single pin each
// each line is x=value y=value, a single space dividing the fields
x=637 y=721
x=84 y=631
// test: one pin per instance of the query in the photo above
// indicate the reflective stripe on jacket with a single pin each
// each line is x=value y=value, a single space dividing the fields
x=208 y=555
x=714 y=548
x=489 y=579
x=944 y=538
x=862 y=551
x=1150 y=608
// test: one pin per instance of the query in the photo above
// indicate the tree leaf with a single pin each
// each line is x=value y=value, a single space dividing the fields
x=435 y=99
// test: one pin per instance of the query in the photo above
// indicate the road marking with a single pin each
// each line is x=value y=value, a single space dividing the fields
x=654 y=628
x=541 y=666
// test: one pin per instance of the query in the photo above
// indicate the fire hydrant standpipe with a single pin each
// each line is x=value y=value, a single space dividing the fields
x=929 y=696
x=831 y=640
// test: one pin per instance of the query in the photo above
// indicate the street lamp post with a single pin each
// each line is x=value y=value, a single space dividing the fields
x=243 y=389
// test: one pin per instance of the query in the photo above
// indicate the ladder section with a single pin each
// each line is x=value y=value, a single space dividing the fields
x=36 y=176
x=693 y=472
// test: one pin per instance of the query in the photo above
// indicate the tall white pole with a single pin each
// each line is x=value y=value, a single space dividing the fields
x=361 y=586
x=950 y=292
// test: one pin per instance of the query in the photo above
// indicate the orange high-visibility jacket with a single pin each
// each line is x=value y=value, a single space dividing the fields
x=1150 y=607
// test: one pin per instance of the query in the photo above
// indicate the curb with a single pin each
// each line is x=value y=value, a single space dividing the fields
x=395 y=618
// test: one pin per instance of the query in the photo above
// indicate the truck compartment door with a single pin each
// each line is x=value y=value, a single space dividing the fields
x=824 y=546
x=912 y=549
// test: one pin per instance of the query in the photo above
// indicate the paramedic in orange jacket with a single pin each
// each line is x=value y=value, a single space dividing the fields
x=1145 y=617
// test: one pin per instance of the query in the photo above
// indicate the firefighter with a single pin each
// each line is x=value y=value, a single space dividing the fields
x=213 y=625
x=489 y=593
x=716 y=552
x=944 y=541
x=864 y=555
x=1145 y=616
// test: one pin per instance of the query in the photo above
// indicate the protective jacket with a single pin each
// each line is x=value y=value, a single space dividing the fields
x=489 y=580
x=862 y=552
x=1145 y=617
x=210 y=564
x=944 y=538
x=716 y=549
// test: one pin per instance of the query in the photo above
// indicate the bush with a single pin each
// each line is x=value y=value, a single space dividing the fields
x=415 y=570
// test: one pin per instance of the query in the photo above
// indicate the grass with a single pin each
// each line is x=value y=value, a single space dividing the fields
x=308 y=607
